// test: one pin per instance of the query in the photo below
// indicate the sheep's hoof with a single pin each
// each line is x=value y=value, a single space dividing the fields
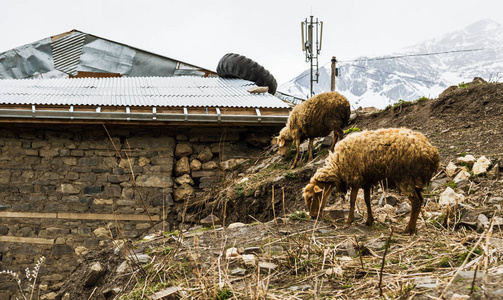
x=410 y=231
x=348 y=222
x=369 y=222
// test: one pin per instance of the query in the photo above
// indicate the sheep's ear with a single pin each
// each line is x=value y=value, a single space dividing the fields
x=281 y=142
x=317 y=189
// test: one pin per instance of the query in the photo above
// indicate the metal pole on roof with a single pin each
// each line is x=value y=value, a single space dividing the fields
x=312 y=32
x=332 y=81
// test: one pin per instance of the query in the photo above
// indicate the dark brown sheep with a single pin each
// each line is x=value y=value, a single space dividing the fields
x=315 y=117
x=400 y=158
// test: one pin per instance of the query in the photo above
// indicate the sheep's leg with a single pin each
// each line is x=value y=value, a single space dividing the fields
x=324 y=197
x=310 y=149
x=297 y=147
x=416 y=201
x=370 y=218
x=352 y=201
x=338 y=133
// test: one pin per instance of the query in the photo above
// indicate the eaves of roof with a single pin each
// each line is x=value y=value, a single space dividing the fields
x=152 y=99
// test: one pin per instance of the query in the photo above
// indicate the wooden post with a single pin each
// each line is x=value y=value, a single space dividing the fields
x=332 y=83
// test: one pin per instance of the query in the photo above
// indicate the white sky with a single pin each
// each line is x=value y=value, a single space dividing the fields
x=200 y=32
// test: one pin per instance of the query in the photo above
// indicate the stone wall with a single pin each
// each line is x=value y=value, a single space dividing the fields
x=66 y=190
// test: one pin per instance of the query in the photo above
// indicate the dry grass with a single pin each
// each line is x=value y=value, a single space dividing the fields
x=313 y=263
x=314 y=258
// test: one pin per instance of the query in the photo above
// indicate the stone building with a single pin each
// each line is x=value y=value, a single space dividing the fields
x=87 y=160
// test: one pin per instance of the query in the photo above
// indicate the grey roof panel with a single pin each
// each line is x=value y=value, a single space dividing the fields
x=66 y=52
x=136 y=91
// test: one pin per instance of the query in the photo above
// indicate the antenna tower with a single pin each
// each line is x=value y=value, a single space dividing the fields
x=312 y=32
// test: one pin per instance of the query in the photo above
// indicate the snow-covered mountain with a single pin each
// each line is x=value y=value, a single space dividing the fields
x=380 y=81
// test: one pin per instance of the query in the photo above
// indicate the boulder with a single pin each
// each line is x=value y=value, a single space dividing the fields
x=102 y=233
x=267 y=266
x=210 y=165
x=143 y=161
x=182 y=166
x=160 y=181
x=482 y=222
x=404 y=208
x=183 y=192
x=236 y=225
x=67 y=188
x=81 y=250
x=451 y=169
x=494 y=172
x=96 y=271
x=468 y=160
x=140 y=258
x=481 y=165
x=449 y=197
x=205 y=155
x=195 y=165
x=183 y=150
x=211 y=220
x=184 y=179
x=238 y=271
x=231 y=163
x=252 y=250
x=390 y=200
x=171 y=293
x=123 y=267
x=231 y=253
x=462 y=178
x=248 y=259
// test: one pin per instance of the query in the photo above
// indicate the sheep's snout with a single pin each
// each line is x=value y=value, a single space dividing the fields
x=284 y=146
x=315 y=198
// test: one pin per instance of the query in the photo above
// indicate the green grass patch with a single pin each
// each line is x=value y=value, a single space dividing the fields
x=399 y=104
x=444 y=262
x=352 y=129
x=463 y=85
x=476 y=252
x=223 y=294
x=289 y=174
x=451 y=184
x=298 y=216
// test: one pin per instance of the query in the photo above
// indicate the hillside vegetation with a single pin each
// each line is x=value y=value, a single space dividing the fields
x=258 y=243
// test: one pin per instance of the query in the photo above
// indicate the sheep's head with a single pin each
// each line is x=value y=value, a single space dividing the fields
x=284 y=142
x=316 y=194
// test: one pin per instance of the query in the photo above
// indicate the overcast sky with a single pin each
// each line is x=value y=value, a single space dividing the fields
x=201 y=32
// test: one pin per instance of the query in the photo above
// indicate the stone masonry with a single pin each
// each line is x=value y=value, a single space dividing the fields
x=66 y=190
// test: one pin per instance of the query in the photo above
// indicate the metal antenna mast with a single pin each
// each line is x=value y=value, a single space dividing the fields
x=312 y=32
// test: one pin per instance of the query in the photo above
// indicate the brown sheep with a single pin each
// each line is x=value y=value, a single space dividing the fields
x=399 y=158
x=315 y=117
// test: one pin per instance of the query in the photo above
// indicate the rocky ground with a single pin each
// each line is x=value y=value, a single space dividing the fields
x=251 y=239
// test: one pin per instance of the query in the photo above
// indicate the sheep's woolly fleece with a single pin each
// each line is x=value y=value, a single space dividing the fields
x=399 y=158
x=317 y=116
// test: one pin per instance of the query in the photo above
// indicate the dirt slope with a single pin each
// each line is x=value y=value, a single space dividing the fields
x=465 y=120
x=325 y=259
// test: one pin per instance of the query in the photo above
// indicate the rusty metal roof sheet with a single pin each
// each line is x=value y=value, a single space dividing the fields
x=69 y=53
x=185 y=91
x=66 y=52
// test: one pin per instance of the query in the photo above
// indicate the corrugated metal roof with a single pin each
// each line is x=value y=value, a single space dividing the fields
x=136 y=91
x=66 y=52
x=72 y=52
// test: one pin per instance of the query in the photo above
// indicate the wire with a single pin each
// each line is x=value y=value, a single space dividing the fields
x=403 y=56
x=419 y=54
x=391 y=73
